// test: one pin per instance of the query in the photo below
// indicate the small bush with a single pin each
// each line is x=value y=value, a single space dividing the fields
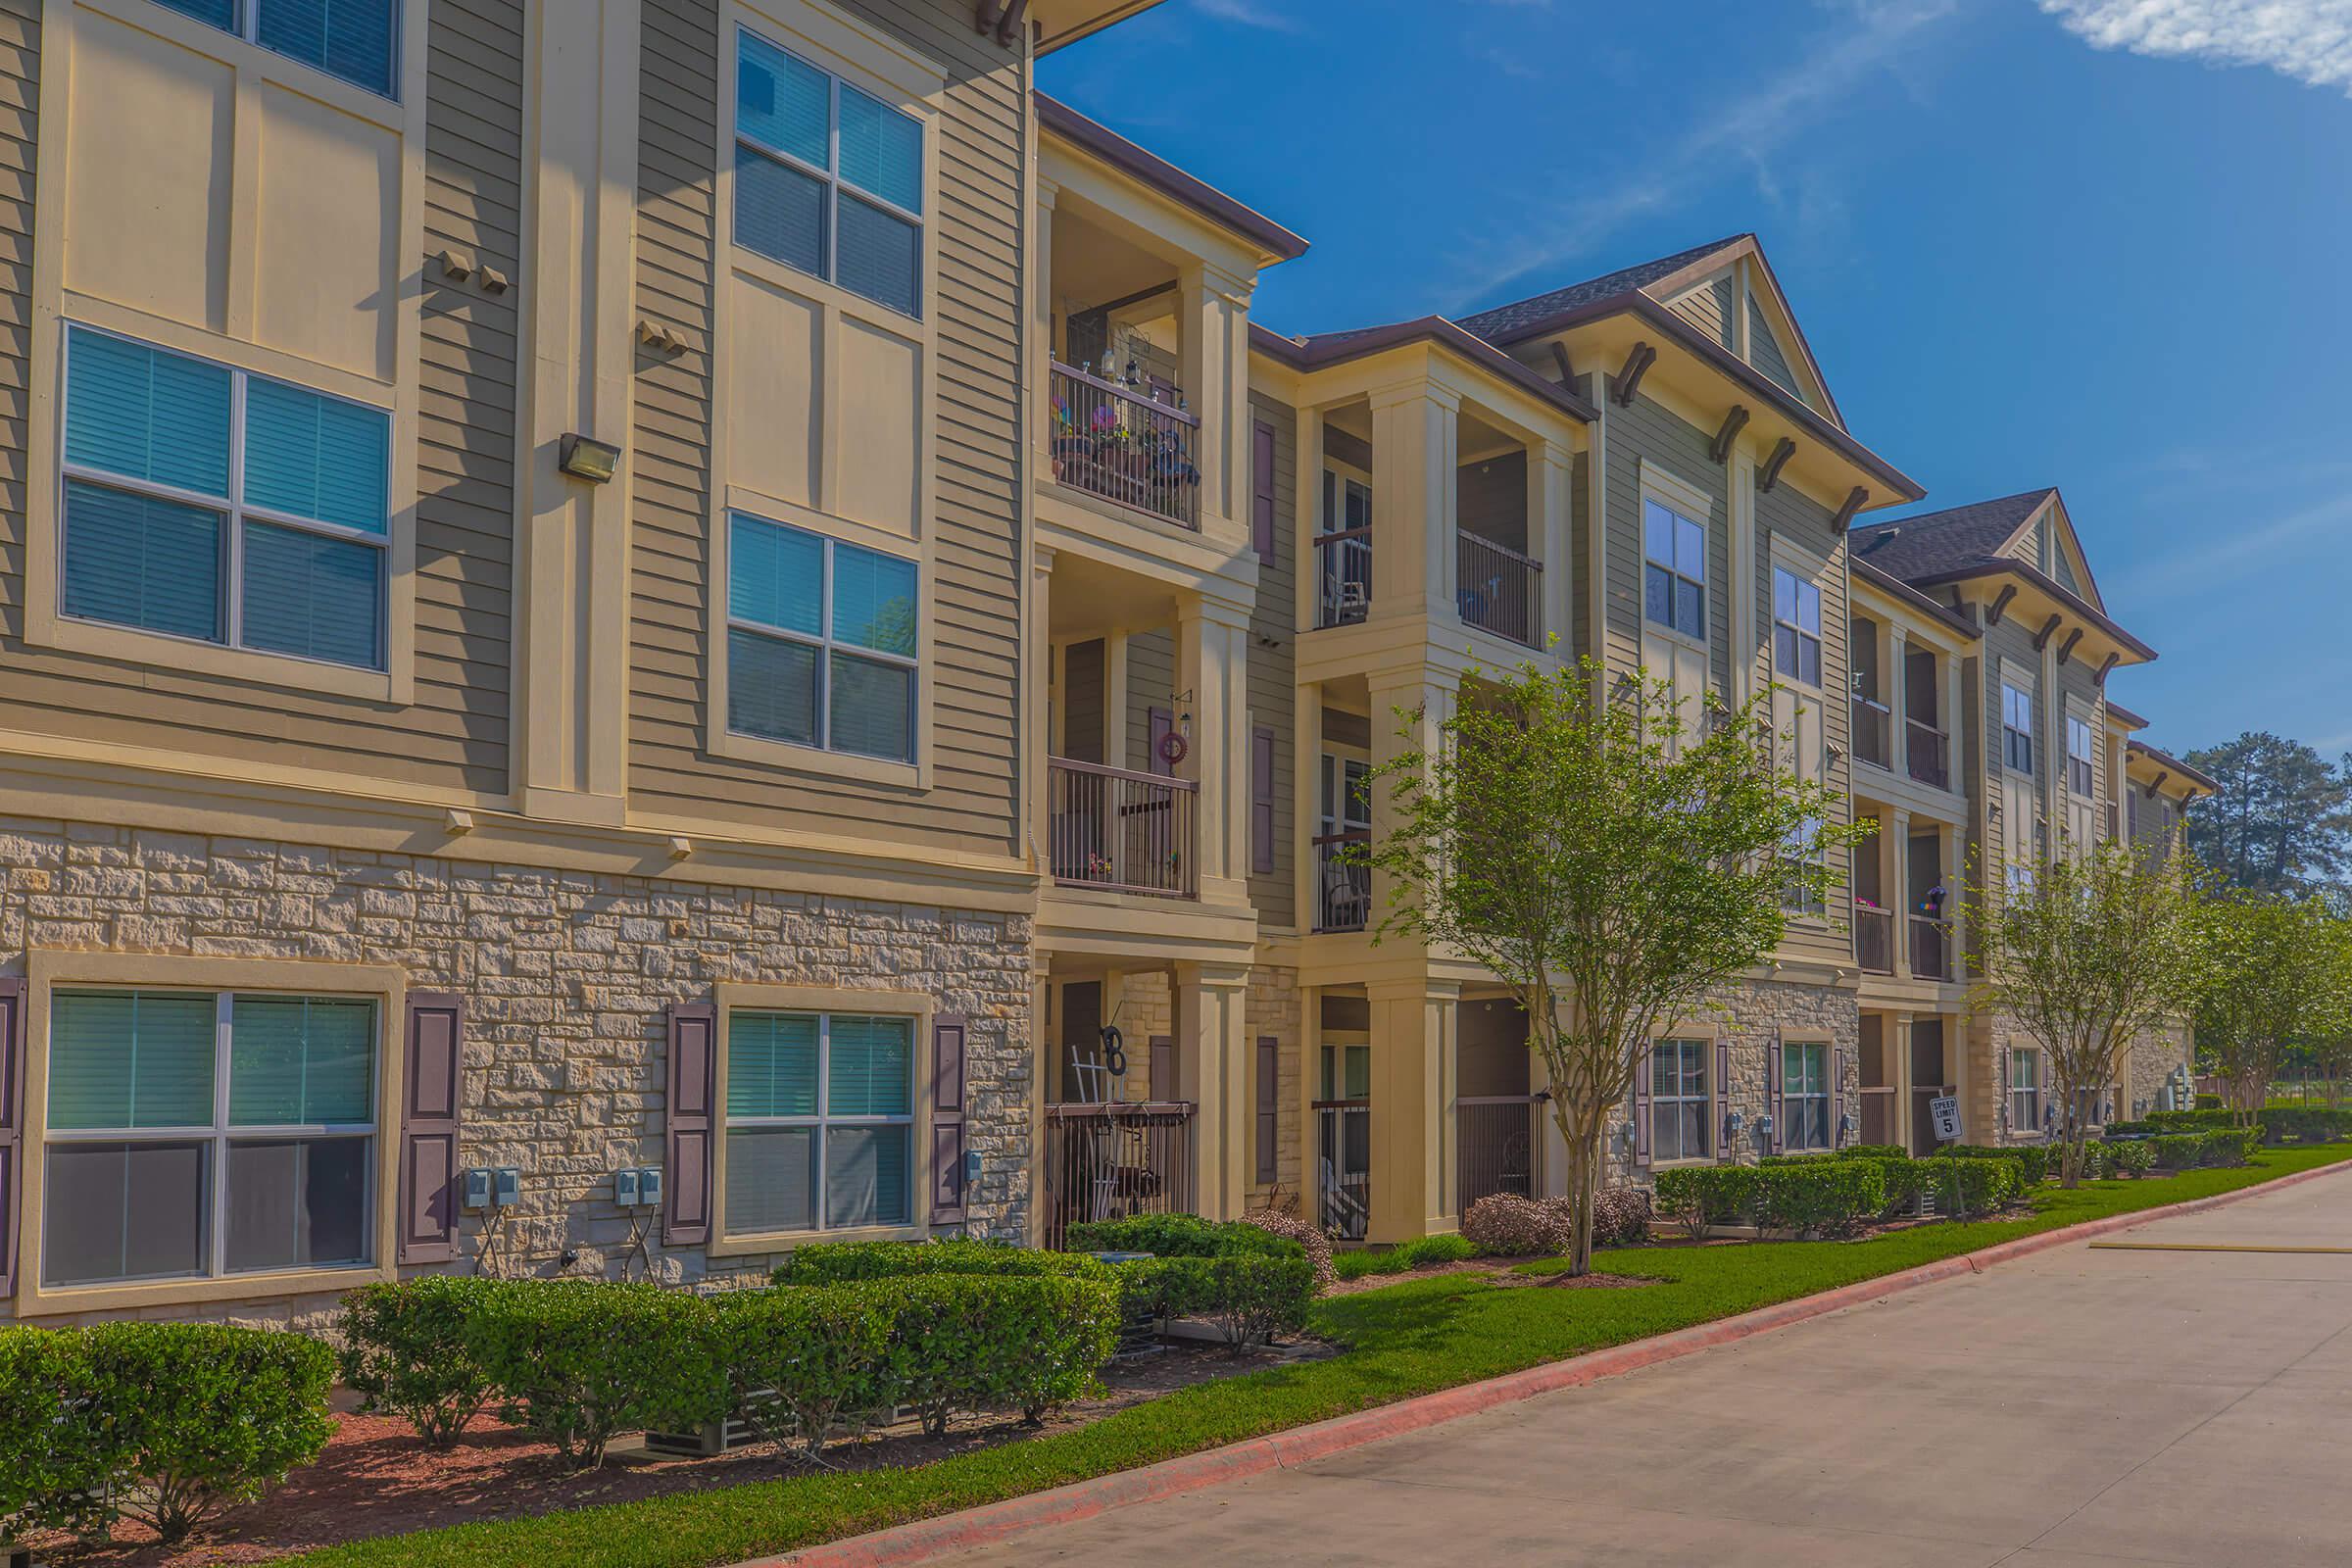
x=1422 y=1252
x=1621 y=1216
x=55 y=1460
x=1508 y=1225
x=1903 y=1181
x=2305 y=1124
x=1179 y=1235
x=198 y=1416
x=2226 y=1146
x=1873 y=1151
x=2209 y=1103
x=1975 y=1184
x=846 y=1262
x=1289 y=1228
x=822 y=1350
x=1819 y=1198
x=979 y=1342
x=405 y=1350
x=1248 y=1297
x=2131 y=1159
x=1698 y=1196
x=2034 y=1163
x=574 y=1361
x=2190 y=1121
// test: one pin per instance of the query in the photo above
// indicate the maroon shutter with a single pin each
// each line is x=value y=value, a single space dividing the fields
x=433 y=1087
x=1836 y=1094
x=691 y=1122
x=948 y=1144
x=1643 y=1068
x=1775 y=1075
x=1161 y=722
x=11 y=1124
x=1269 y=1096
x=1262 y=799
x=1722 y=1087
x=1163 y=1067
x=2002 y=1094
x=1261 y=493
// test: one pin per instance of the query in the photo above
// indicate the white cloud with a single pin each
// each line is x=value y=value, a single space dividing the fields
x=2309 y=40
x=1249 y=14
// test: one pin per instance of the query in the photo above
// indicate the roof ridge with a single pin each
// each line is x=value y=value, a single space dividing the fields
x=1626 y=279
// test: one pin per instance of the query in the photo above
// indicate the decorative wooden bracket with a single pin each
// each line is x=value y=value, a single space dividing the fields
x=1006 y=19
x=1626 y=382
x=1559 y=352
x=2041 y=638
x=2157 y=784
x=986 y=16
x=2106 y=669
x=1993 y=615
x=2066 y=649
x=1771 y=472
x=1729 y=432
x=1853 y=504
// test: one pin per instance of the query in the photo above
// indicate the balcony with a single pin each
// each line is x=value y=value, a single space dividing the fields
x=1343 y=888
x=1122 y=831
x=1874 y=939
x=1931 y=949
x=1342 y=576
x=1499 y=590
x=1110 y=1161
x=1494 y=1143
x=1870 y=742
x=1130 y=442
x=1927 y=754
x=1344 y=1167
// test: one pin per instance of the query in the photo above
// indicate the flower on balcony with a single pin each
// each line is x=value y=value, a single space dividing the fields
x=1099 y=867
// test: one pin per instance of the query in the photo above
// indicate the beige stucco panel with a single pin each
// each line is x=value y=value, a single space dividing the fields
x=878 y=392
x=773 y=406
x=327 y=272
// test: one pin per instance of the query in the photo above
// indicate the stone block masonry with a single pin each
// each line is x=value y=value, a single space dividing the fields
x=567 y=978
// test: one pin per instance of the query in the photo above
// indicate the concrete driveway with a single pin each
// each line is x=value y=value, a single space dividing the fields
x=2083 y=1409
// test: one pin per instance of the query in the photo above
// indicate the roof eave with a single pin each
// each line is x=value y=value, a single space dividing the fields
x=2198 y=776
x=1435 y=330
x=1274 y=242
x=2047 y=586
x=1896 y=588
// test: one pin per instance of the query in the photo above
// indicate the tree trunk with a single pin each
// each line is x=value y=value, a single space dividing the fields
x=1583 y=1179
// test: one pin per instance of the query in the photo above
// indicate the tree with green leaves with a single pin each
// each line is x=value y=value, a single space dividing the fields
x=2282 y=973
x=2283 y=820
x=2084 y=954
x=1614 y=859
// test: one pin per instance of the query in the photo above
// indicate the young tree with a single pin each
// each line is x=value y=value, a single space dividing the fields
x=2283 y=972
x=2090 y=951
x=1612 y=859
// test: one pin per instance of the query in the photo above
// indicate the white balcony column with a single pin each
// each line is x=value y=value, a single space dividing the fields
x=1899 y=889
x=1898 y=1073
x=1415 y=433
x=1215 y=357
x=1212 y=1065
x=1042 y=352
x=1752 y=651
x=1306 y=806
x=1212 y=686
x=1037 y=729
x=1958 y=748
x=1899 y=704
x=1550 y=533
x=1412 y=1114
x=1308 y=522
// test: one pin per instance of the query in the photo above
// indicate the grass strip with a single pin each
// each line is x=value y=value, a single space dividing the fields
x=1412 y=1337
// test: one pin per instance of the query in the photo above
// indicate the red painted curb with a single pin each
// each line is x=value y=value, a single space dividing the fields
x=927 y=1539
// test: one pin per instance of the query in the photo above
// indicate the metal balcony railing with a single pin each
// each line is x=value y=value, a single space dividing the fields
x=1136 y=445
x=1344 y=1167
x=1342 y=576
x=1125 y=831
x=1874 y=939
x=1495 y=1144
x=1871 y=743
x=1109 y=1161
x=1931 y=949
x=1343 y=890
x=1927 y=754
x=1499 y=590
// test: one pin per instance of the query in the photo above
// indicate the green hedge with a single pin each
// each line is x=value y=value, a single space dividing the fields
x=2131 y=1159
x=574 y=1361
x=1820 y=1197
x=2190 y=1121
x=1252 y=1283
x=405 y=1350
x=1179 y=1235
x=2034 y=1163
x=2205 y=1150
x=2305 y=1124
x=844 y=1263
x=1873 y=1151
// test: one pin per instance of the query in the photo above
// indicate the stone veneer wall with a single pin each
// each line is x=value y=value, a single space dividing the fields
x=2153 y=1057
x=565 y=978
x=1754 y=1011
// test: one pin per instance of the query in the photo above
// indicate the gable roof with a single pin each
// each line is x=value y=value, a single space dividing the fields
x=1953 y=540
x=1170 y=181
x=2173 y=765
x=1506 y=322
x=1331 y=348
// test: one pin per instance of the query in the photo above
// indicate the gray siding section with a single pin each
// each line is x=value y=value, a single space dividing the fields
x=1273 y=665
x=1764 y=349
x=454 y=734
x=1646 y=430
x=1783 y=512
x=1083 y=707
x=1708 y=307
x=977 y=236
x=1150 y=683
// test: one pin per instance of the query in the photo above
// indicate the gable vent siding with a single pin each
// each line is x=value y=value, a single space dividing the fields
x=1764 y=351
x=1708 y=307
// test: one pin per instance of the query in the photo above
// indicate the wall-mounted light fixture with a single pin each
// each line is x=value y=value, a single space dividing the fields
x=584 y=458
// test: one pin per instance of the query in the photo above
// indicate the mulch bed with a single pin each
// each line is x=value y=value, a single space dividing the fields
x=377 y=1479
x=1497 y=1271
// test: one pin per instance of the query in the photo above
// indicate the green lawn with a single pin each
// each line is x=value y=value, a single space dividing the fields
x=1407 y=1339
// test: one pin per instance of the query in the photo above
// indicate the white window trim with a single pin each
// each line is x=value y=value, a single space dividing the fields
x=1692 y=504
x=1828 y=1095
x=2025 y=690
x=2032 y=1124
x=2078 y=721
x=1707 y=1099
x=1819 y=639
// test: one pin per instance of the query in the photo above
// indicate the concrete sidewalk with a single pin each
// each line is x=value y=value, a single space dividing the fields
x=2079 y=1409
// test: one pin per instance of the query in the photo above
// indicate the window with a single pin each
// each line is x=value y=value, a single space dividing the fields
x=1346 y=795
x=206 y=503
x=195 y=1135
x=2025 y=1090
x=1804 y=1095
x=828 y=179
x=2078 y=756
x=1679 y=1119
x=1674 y=590
x=1804 y=849
x=820 y=1121
x=1795 y=627
x=820 y=642
x=357 y=41
x=2017 y=729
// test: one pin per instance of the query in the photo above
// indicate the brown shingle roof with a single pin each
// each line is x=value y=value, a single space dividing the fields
x=1504 y=320
x=1952 y=540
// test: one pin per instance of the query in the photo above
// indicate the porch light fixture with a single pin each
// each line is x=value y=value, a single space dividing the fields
x=585 y=458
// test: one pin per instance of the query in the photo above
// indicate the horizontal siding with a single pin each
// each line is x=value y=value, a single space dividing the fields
x=454 y=734
x=1150 y=683
x=1785 y=514
x=977 y=234
x=1646 y=430
x=1708 y=307
x=1273 y=666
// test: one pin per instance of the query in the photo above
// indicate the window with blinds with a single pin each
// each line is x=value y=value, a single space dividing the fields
x=207 y=503
x=828 y=179
x=197 y=1135
x=820 y=1121
x=821 y=644
x=357 y=41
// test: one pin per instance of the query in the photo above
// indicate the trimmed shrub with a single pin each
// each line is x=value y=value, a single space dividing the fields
x=1873 y=1151
x=1508 y=1225
x=2227 y=1146
x=1904 y=1180
x=1975 y=1184
x=1819 y=1198
x=846 y=1262
x=1291 y=1228
x=405 y=1350
x=55 y=1460
x=1698 y=1196
x=2034 y=1163
x=2131 y=1159
x=2305 y=1124
x=2209 y=1103
x=1249 y=1298
x=574 y=1361
x=2190 y=1121
x=195 y=1417
x=1179 y=1236
x=995 y=1342
x=823 y=1352
x=1621 y=1216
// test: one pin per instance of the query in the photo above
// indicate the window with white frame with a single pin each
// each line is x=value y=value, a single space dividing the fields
x=358 y=40
x=1673 y=584
x=2078 y=756
x=821 y=641
x=203 y=502
x=1804 y=1095
x=194 y=1135
x=1803 y=850
x=1679 y=1107
x=2024 y=1089
x=820 y=1121
x=828 y=177
x=2017 y=729
x=1796 y=629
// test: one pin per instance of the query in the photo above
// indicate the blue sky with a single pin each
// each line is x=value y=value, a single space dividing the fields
x=2102 y=244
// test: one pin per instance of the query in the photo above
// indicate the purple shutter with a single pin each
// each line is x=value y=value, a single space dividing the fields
x=691 y=1122
x=1643 y=1068
x=1261 y=493
x=1262 y=799
x=2001 y=1094
x=1269 y=1096
x=1163 y=1067
x=11 y=1124
x=948 y=1144
x=1836 y=1094
x=1775 y=1075
x=1161 y=722
x=1723 y=1093
x=433 y=1087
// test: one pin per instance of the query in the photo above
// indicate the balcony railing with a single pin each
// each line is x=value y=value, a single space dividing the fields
x=1931 y=949
x=1109 y=1161
x=1344 y=1167
x=1927 y=754
x=1124 y=831
x=1130 y=444
x=1343 y=890
x=1874 y=939
x=1494 y=1143
x=1342 y=576
x=1871 y=721
x=1499 y=590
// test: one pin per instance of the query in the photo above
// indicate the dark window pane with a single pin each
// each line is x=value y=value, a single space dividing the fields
x=1808 y=660
x=865 y=1176
x=1694 y=1130
x=1690 y=608
x=779 y=212
x=771 y=688
x=873 y=709
x=1657 y=594
x=1783 y=652
x=346 y=38
x=125 y=1211
x=771 y=1180
x=881 y=257
x=138 y=561
x=312 y=596
x=297 y=1203
x=219 y=13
